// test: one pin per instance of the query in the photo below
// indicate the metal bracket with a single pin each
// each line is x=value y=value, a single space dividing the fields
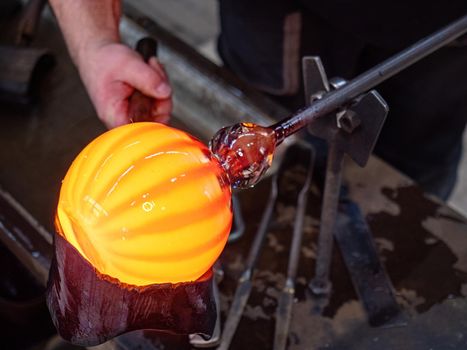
x=356 y=128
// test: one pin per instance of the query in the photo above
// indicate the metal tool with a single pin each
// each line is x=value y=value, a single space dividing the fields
x=284 y=308
x=297 y=153
x=140 y=105
x=243 y=290
x=329 y=102
x=333 y=100
x=368 y=275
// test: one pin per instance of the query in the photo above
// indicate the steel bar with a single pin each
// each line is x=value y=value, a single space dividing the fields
x=371 y=282
x=284 y=309
x=262 y=230
x=369 y=79
x=320 y=284
x=243 y=290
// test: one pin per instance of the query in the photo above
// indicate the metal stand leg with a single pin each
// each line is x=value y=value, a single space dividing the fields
x=320 y=285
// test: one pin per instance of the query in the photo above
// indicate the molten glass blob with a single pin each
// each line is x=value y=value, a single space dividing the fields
x=146 y=203
x=245 y=151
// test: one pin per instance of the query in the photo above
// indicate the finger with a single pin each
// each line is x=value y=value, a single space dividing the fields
x=154 y=63
x=146 y=79
x=116 y=114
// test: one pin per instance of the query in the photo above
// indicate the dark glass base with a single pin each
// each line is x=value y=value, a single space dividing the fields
x=89 y=308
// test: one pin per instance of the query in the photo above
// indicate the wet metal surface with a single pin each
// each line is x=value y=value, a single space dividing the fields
x=422 y=243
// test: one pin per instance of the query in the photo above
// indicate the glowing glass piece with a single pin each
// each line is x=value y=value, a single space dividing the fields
x=146 y=203
x=245 y=151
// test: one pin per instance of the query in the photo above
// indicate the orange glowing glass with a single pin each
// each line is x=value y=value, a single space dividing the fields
x=146 y=203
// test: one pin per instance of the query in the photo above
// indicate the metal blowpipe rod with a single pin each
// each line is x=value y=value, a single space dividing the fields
x=369 y=79
x=235 y=142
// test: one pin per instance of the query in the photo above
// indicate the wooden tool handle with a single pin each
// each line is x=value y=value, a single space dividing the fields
x=140 y=105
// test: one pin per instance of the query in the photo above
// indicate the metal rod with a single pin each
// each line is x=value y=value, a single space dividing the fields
x=369 y=79
x=296 y=244
x=286 y=299
x=263 y=226
x=320 y=284
x=242 y=293
x=369 y=277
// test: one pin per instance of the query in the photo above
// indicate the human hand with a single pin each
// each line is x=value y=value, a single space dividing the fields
x=111 y=72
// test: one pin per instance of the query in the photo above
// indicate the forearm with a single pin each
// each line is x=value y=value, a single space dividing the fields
x=87 y=24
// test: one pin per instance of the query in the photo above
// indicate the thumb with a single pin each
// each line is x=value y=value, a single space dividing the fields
x=143 y=77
